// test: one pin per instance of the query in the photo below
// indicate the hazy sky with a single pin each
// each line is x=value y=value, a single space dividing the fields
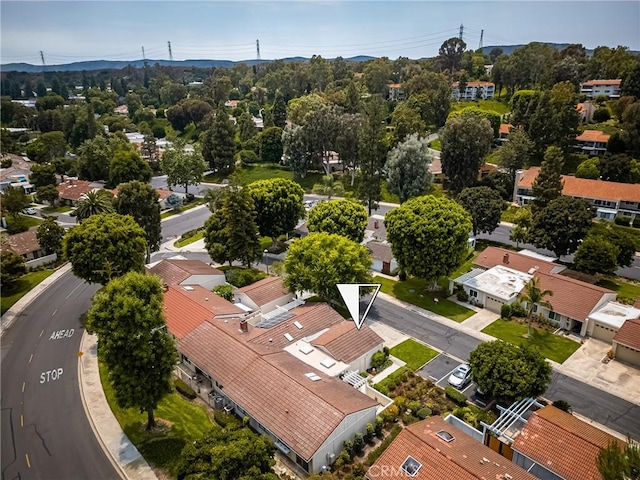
x=110 y=30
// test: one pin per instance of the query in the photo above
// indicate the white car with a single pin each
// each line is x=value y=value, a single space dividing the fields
x=29 y=211
x=461 y=376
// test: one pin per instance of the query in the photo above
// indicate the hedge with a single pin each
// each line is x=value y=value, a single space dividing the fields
x=455 y=395
x=374 y=455
x=184 y=389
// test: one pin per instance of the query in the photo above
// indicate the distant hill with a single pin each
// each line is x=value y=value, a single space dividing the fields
x=118 y=64
x=508 y=49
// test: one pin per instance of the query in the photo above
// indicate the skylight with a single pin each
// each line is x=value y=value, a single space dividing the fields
x=328 y=362
x=298 y=324
x=306 y=349
x=288 y=337
x=312 y=376
x=187 y=288
x=446 y=436
x=411 y=466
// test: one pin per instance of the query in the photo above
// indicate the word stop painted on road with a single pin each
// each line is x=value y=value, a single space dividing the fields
x=51 y=375
x=58 y=334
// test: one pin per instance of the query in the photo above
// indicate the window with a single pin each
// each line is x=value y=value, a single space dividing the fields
x=446 y=436
x=411 y=466
x=552 y=315
x=302 y=462
x=473 y=293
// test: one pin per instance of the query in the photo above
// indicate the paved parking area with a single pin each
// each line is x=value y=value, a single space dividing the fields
x=438 y=371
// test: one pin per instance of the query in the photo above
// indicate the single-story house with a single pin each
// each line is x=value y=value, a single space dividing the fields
x=626 y=343
x=382 y=257
x=435 y=449
x=121 y=110
x=376 y=229
x=555 y=445
x=71 y=191
x=179 y=271
x=25 y=244
x=168 y=199
x=495 y=287
x=264 y=295
x=604 y=323
x=610 y=199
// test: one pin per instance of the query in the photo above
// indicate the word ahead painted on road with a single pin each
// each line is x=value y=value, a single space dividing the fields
x=51 y=375
x=57 y=335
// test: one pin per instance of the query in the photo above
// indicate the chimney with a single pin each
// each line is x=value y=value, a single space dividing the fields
x=165 y=287
x=505 y=259
x=376 y=224
x=244 y=327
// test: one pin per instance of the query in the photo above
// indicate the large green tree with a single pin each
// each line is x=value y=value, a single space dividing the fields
x=94 y=158
x=279 y=111
x=509 y=372
x=514 y=154
x=279 y=204
x=596 y=255
x=182 y=167
x=408 y=168
x=271 y=147
x=561 y=225
x=127 y=165
x=329 y=186
x=139 y=353
x=92 y=203
x=226 y=453
x=218 y=147
x=14 y=201
x=105 y=246
x=12 y=266
x=141 y=201
x=50 y=235
x=619 y=462
x=626 y=243
x=47 y=147
x=342 y=217
x=465 y=142
x=48 y=193
x=548 y=184
x=485 y=206
x=429 y=236
x=42 y=174
x=320 y=261
x=372 y=152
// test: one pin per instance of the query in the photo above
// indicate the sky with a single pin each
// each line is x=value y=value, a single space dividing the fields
x=111 y=30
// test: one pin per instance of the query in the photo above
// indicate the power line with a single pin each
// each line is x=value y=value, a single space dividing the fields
x=481 y=36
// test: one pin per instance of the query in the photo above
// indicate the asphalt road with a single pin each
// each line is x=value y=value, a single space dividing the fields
x=45 y=431
x=586 y=400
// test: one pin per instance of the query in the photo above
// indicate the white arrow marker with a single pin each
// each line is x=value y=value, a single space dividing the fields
x=351 y=295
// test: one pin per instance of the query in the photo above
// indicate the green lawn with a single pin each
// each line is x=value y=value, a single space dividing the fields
x=553 y=347
x=423 y=299
x=436 y=144
x=415 y=354
x=184 y=208
x=26 y=220
x=187 y=241
x=188 y=420
x=23 y=285
x=627 y=290
x=58 y=209
x=509 y=215
x=493 y=105
x=386 y=195
x=609 y=127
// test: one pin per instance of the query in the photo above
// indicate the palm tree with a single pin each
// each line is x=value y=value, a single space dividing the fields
x=535 y=296
x=328 y=187
x=92 y=203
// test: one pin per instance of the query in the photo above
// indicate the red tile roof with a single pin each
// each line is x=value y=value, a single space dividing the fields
x=182 y=315
x=395 y=85
x=163 y=193
x=215 y=304
x=174 y=272
x=629 y=334
x=474 y=84
x=346 y=343
x=23 y=243
x=461 y=459
x=265 y=291
x=562 y=443
x=273 y=389
x=593 y=136
x=603 y=82
x=505 y=128
x=587 y=188
x=493 y=256
x=74 y=189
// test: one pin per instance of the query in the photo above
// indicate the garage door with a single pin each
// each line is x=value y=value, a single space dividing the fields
x=603 y=332
x=493 y=304
x=628 y=355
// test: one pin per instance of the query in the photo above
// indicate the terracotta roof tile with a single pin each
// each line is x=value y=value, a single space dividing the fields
x=474 y=84
x=395 y=85
x=562 y=443
x=493 y=256
x=593 y=136
x=215 y=304
x=505 y=128
x=74 y=189
x=23 y=243
x=346 y=343
x=265 y=291
x=629 y=334
x=603 y=82
x=174 y=272
x=182 y=315
x=380 y=251
x=587 y=188
x=460 y=459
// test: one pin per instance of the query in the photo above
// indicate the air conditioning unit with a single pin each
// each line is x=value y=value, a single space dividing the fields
x=331 y=457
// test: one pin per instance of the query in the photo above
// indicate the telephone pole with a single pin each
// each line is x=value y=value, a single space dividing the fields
x=258 y=49
x=170 y=53
x=42 y=57
x=481 y=36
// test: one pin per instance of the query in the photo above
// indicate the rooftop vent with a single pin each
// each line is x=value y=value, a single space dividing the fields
x=411 y=466
x=288 y=337
x=244 y=326
x=505 y=259
x=188 y=288
x=446 y=436
x=312 y=376
x=306 y=349
x=328 y=362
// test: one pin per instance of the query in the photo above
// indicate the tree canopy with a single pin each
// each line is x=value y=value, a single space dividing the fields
x=342 y=217
x=485 y=206
x=93 y=203
x=128 y=317
x=548 y=184
x=50 y=235
x=319 y=261
x=596 y=255
x=182 y=167
x=218 y=147
x=408 y=168
x=429 y=236
x=509 y=372
x=12 y=266
x=105 y=246
x=127 y=166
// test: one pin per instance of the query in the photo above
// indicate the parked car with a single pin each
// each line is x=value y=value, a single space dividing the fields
x=29 y=211
x=461 y=376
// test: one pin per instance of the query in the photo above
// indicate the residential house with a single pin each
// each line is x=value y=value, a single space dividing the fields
x=504 y=131
x=595 y=88
x=555 y=445
x=71 y=191
x=606 y=322
x=264 y=296
x=474 y=91
x=231 y=103
x=306 y=410
x=168 y=199
x=17 y=175
x=27 y=246
x=396 y=92
x=586 y=110
x=435 y=449
x=179 y=271
x=383 y=259
x=375 y=228
x=610 y=199
x=593 y=142
x=626 y=343
x=121 y=110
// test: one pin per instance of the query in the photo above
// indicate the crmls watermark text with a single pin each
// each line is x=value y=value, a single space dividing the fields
x=387 y=471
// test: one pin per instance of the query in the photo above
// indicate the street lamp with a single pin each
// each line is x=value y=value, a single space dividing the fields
x=265 y=260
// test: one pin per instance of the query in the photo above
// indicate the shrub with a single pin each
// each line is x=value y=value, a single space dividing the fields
x=16 y=227
x=225 y=291
x=226 y=420
x=241 y=277
x=378 y=359
x=6 y=162
x=622 y=221
x=390 y=413
x=423 y=413
x=358 y=443
x=184 y=389
x=462 y=295
x=455 y=395
x=401 y=403
x=402 y=275
x=189 y=234
x=189 y=197
x=505 y=311
x=371 y=431
x=636 y=222
x=518 y=310
x=414 y=406
x=247 y=157
x=379 y=425
x=601 y=115
x=562 y=405
x=373 y=456
x=348 y=447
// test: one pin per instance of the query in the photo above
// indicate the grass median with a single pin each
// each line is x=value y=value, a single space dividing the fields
x=414 y=354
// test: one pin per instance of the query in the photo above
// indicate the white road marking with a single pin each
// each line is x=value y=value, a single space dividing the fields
x=26 y=455
x=55 y=311
x=41 y=334
x=23 y=385
x=74 y=290
x=31 y=358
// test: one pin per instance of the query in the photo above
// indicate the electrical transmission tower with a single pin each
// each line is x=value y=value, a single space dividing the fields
x=461 y=32
x=42 y=57
x=258 y=49
x=170 y=54
x=144 y=58
x=481 y=36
